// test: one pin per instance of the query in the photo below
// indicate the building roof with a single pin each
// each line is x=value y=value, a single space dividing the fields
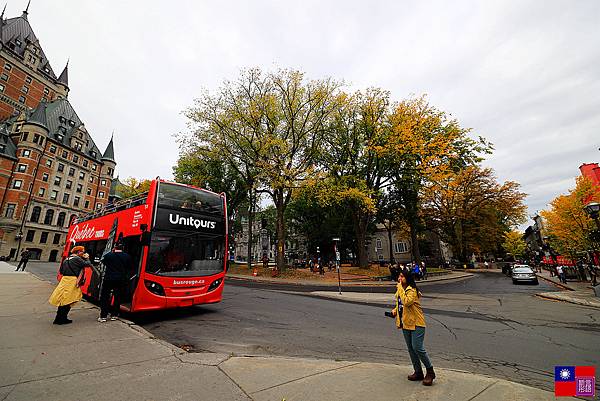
x=16 y=33
x=62 y=122
x=64 y=76
x=7 y=147
x=114 y=189
x=109 y=153
x=39 y=116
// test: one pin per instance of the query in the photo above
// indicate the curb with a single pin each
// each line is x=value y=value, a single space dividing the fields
x=561 y=285
x=571 y=301
x=344 y=284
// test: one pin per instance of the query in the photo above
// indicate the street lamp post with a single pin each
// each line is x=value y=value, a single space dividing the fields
x=337 y=263
x=18 y=237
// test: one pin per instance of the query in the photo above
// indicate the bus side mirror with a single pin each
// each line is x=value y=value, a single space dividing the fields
x=146 y=238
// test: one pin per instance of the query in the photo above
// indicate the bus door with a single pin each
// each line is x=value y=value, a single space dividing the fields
x=133 y=247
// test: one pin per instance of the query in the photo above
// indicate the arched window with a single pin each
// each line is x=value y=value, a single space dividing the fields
x=72 y=218
x=49 y=217
x=61 y=219
x=35 y=214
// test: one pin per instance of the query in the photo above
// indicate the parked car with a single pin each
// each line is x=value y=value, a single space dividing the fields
x=523 y=273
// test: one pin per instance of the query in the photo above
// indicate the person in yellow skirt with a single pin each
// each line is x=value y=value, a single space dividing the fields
x=67 y=292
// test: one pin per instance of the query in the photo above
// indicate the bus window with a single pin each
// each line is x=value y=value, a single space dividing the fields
x=173 y=196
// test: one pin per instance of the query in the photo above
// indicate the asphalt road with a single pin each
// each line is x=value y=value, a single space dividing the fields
x=484 y=324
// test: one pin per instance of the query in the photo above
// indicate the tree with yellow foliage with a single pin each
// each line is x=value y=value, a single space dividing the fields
x=423 y=145
x=568 y=226
x=471 y=211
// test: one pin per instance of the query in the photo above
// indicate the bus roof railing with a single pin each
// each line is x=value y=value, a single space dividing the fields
x=123 y=204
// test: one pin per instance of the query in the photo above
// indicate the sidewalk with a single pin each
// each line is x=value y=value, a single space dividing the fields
x=8 y=268
x=577 y=292
x=121 y=361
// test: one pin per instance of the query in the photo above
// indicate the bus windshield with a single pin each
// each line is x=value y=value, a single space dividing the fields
x=185 y=254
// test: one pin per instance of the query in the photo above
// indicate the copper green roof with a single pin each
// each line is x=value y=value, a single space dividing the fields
x=7 y=147
x=39 y=116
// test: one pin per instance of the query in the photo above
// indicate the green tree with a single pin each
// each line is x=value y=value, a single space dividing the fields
x=230 y=126
x=514 y=244
x=133 y=186
x=358 y=173
x=268 y=127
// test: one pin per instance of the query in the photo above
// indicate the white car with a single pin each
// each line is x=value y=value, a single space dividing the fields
x=523 y=273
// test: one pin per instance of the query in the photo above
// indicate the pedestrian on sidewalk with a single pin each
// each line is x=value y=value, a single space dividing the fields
x=412 y=322
x=67 y=292
x=561 y=274
x=25 y=255
x=117 y=265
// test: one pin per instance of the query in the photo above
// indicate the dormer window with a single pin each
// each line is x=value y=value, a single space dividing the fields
x=62 y=130
x=18 y=42
x=62 y=119
x=94 y=156
x=46 y=69
x=72 y=124
x=59 y=137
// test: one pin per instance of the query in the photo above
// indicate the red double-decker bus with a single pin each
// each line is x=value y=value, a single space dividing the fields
x=177 y=237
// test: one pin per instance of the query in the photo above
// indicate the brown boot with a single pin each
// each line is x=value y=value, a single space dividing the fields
x=416 y=376
x=428 y=380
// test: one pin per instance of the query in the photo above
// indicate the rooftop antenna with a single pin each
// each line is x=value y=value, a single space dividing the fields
x=3 y=10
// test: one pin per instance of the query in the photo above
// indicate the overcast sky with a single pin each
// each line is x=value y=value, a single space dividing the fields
x=525 y=75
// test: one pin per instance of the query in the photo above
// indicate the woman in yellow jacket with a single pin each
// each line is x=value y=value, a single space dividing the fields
x=67 y=292
x=412 y=324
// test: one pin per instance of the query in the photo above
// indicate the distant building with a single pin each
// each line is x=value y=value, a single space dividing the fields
x=433 y=251
x=591 y=171
x=51 y=170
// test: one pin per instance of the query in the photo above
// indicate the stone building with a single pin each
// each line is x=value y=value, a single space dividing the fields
x=50 y=168
x=434 y=252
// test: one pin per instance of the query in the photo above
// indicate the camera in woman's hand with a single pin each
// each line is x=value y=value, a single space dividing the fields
x=389 y=314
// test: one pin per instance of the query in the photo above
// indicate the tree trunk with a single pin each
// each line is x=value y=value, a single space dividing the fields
x=280 y=207
x=389 y=231
x=250 y=222
x=414 y=239
x=361 y=222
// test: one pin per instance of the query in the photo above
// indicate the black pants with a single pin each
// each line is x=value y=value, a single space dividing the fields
x=115 y=287
x=61 y=314
x=24 y=263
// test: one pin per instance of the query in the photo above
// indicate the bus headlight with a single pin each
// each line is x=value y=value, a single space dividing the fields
x=215 y=284
x=154 y=288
